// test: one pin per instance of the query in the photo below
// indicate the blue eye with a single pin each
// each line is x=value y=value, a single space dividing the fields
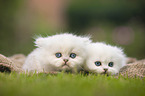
x=110 y=64
x=58 y=55
x=72 y=55
x=97 y=63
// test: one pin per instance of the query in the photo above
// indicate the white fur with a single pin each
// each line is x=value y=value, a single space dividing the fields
x=105 y=54
x=43 y=58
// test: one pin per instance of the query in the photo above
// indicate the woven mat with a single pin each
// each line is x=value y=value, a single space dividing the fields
x=14 y=63
x=132 y=70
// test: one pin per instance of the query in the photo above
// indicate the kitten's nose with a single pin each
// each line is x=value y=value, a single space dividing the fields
x=65 y=60
x=105 y=69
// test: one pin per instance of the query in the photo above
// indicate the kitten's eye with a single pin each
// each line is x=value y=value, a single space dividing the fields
x=58 y=55
x=110 y=64
x=97 y=63
x=72 y=55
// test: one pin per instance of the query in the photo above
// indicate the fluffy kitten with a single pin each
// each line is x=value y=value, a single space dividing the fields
x=104 y=59
x=56 y=53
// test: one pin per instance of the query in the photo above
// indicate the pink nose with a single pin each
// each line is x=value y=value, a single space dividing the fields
x=65 y=60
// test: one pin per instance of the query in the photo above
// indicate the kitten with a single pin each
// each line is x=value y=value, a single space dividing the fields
x=104 y=59
x=62 y=52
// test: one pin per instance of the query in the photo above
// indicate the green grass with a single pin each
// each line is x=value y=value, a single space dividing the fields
x=14 y=84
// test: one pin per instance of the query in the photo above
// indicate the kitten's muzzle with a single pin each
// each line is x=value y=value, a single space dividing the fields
x=66 y=66
x=105 y=69
x=65 y=63
x=65 y=60
x=105 y=72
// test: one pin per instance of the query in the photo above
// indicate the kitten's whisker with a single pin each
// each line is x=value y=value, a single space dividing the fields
x=82 y=68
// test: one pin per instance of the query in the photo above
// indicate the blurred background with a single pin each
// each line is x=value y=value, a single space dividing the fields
x=116 y=22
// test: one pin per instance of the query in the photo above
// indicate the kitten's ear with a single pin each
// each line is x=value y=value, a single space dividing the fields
x=40 y=42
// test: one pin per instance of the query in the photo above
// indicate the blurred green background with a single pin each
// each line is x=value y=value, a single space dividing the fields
x=116 y=22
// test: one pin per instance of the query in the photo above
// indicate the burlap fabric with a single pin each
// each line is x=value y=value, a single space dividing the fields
x=13 y=63
x=132 y=70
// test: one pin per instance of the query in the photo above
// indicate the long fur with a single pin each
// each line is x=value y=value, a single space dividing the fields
x=43 y=59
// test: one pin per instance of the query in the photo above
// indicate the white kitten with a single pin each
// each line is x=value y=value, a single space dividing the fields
x=56 y=53
x=104 y=59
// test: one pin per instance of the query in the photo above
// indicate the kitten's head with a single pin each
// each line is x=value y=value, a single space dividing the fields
x=63 y=51
x=104 y=59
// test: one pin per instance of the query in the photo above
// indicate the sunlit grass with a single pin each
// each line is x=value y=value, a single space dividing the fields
x=69 y=85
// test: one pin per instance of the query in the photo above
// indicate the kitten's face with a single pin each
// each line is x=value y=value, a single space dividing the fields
x=104 y=59
x=68 y=59
x=104 y=66
x=64 y=52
